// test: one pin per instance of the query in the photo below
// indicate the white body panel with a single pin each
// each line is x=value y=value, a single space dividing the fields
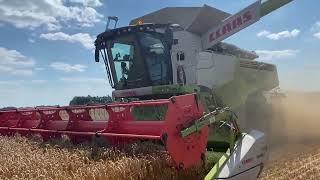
x=190 y=45
x=214 y=69
x=246 y=162
x=201 y=67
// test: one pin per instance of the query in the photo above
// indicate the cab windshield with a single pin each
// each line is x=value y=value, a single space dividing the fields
x=138 y=60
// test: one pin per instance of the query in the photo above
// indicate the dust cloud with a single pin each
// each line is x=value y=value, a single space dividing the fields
x=296 y=123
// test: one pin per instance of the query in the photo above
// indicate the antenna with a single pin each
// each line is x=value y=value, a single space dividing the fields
x=112 y=18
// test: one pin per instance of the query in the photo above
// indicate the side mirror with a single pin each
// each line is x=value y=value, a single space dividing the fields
x=96 y=55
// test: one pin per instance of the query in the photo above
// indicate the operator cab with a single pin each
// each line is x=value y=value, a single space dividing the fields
x=136 y=56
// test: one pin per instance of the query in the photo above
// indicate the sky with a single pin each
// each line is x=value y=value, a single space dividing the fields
x=46 y=47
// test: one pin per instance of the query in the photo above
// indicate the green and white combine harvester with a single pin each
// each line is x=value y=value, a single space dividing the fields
x=178 y=50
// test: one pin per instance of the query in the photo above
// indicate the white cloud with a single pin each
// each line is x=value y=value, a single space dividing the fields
x=263 y=33
x=15 y=58
x=5 y=69
x=39 y=68
x=9 y=83
x=38 y=81
x=279 y=35
x=50 y=14
x=22 y=72
x=15 y=71
x=61 y=66
x=21 y=82
x=83 y=80
x=317 y=35
x=315 y=29
x=83 y=38
x=266 y=55
x=90 y=3
x=31 y=40
x=14 y=63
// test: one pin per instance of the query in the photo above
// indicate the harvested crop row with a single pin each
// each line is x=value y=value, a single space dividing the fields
x=22 y=158
x=301 y=165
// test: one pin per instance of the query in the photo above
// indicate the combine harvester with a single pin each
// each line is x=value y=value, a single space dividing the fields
x=174 y=82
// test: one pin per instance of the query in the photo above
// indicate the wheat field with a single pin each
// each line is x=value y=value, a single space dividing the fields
x=30 y=158
x=297 y=162
x=25 y=158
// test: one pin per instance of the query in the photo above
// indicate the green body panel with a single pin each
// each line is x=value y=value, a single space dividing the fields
x=220 y=158
x=213 y=157
x=214 y=118
x=145 y=113
x=158 y=112
x=222 y=136
x=271 y=5
x=174 y=89
x=232 y=94
x=206 y=120
x=246 y=81
x=218 y=165
x=217 y=157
